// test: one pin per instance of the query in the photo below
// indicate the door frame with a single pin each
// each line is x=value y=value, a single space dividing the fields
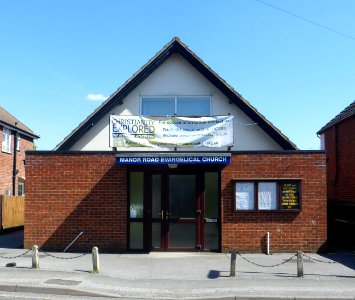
x=199 y=171
x=165 y=221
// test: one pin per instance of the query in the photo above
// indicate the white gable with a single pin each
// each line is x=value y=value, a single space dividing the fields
x=176 y=77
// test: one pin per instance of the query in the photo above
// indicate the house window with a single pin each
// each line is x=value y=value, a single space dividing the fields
x=281 y=195
x=179 y=106
x=18 y=143
x=21 y=189
x=6 y=140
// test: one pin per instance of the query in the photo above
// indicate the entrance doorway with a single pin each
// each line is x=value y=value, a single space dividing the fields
x=174 y=211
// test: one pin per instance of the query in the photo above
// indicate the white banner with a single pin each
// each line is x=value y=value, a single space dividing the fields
x=169 y=132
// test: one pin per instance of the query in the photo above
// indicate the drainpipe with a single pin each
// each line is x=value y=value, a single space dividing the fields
x=14 y=170
x=337 y=148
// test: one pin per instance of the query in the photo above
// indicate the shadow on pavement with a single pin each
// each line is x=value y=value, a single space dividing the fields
x=346 y=258
x=11 y=238
x=214 y=274
x=313 y=274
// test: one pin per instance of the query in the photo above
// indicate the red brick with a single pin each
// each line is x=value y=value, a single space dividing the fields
x=68 y=193
x=340 y=149
x=6 y=162
x=289 y=231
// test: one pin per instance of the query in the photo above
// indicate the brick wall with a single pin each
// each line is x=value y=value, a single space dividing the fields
x=6 y=162
x=67 y=194
x=289 y=231
x=340 y=149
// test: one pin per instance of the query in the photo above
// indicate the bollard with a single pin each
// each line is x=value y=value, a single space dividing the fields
x=299 y=264
x=35 y=257
x=95 y=260
x=233 y=263
x=268 y=243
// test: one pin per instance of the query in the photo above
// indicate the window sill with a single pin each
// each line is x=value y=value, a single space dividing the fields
x=269 y=211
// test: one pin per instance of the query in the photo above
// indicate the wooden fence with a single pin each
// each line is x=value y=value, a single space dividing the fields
x=12 y=211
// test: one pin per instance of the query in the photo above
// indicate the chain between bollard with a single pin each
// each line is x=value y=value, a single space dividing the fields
x=320 y=261
x=62 y=257
x=17 y=256
x=267 y=266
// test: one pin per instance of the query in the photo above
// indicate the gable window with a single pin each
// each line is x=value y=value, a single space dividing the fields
x=256 y=195
x=178 y=105
x=158 y=106
x=6 y=140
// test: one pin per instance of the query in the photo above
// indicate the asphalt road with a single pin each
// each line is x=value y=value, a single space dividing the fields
x=12 y=239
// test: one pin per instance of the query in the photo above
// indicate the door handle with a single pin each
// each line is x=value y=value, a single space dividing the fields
x=161 y=214
x=167 y=215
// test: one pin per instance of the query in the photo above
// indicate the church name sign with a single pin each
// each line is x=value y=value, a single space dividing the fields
x=198 y=160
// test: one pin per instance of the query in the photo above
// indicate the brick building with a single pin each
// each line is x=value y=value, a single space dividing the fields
x=338 y=140
x=176 y=160
x=15 y=135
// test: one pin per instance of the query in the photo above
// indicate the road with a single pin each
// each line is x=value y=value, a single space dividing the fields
x=12 y=239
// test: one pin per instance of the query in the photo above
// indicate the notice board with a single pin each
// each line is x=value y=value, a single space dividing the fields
x=290 y=196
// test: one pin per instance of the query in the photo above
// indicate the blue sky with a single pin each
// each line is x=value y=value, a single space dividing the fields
x=55 y=55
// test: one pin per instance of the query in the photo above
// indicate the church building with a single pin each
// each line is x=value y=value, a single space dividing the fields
x=176 y=160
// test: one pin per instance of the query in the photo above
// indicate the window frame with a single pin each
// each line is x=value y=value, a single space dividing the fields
x=278 y=182
x=175 y=97
x=7 y=132
x=18 y=142
x=22 y=184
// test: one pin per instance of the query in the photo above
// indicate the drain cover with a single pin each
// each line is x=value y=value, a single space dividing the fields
x=62 y=282
x=11 y=265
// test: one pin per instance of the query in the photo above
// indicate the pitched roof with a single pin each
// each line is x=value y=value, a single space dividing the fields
x=10 y=121
x=343 y=115
x=176 y=46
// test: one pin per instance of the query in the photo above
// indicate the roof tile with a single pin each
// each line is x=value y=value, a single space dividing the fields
x=343 y=115
x=13 y=122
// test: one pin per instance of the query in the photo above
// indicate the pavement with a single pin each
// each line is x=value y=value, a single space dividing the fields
x=179 y=275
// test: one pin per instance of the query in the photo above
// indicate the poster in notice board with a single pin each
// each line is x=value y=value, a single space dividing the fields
x=290 y=196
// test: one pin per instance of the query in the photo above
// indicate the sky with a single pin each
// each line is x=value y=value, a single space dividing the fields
x=293 y=60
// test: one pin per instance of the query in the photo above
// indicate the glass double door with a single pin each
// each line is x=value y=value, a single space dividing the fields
x=175 y=213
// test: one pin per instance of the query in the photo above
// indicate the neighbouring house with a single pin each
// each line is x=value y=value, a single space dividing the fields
x=176 y=160
x=16 y=139
x=338 y=140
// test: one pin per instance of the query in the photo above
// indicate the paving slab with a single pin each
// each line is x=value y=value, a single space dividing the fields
x=181 y=275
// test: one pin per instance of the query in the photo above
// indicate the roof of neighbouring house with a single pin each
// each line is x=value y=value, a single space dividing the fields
x=176 y=46
x=10 y=121
x=343 y=115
